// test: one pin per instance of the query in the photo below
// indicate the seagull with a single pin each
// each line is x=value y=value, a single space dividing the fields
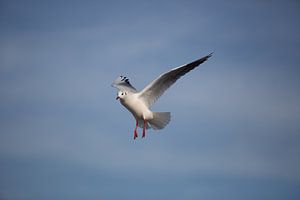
x=140 y=102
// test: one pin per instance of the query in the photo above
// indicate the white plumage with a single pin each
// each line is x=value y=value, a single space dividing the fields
x=139 y=103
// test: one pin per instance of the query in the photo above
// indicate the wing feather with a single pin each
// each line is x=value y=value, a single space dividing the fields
x=122 y=83
x=159 y=85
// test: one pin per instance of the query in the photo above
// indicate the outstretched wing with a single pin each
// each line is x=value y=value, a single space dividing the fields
x=158 y=86
x=122 y=83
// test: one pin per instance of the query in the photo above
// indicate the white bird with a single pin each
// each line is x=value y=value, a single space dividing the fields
x=139 y=103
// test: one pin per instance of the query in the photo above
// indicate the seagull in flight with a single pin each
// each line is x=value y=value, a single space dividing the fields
x=140 y=102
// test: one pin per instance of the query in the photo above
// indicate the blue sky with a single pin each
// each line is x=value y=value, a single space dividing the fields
x=235 y=130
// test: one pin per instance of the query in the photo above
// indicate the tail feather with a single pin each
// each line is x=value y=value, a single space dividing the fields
x=160 y=120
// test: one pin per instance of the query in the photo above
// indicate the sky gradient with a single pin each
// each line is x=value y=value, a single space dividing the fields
x=234 y=133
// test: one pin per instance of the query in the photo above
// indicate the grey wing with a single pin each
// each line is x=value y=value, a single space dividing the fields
x=158 y=86
x=122 y=83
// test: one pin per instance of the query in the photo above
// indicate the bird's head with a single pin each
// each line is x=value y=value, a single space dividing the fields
x=121 y=95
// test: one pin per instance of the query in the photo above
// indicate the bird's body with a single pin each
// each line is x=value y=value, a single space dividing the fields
x=136 y=106
x=139 y=103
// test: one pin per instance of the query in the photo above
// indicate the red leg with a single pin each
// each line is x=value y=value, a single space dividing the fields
x=135 y=131
x=144 y=129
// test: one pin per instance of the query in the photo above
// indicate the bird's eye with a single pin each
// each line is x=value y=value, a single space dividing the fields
x=122 y=93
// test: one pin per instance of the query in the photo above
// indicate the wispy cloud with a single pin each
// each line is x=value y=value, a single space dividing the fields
x=235 y=118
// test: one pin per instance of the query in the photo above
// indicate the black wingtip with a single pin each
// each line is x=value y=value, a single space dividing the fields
x=205 y=58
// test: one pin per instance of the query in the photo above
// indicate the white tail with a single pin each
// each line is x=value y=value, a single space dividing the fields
x=160 y=120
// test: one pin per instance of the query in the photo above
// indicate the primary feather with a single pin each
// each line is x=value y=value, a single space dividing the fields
x=159 y=85
x=122 y=83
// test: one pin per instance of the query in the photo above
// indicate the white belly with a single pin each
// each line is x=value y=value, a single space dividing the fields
x=137 y=108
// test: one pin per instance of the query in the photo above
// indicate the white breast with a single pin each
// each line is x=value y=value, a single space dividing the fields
x=137 y=107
